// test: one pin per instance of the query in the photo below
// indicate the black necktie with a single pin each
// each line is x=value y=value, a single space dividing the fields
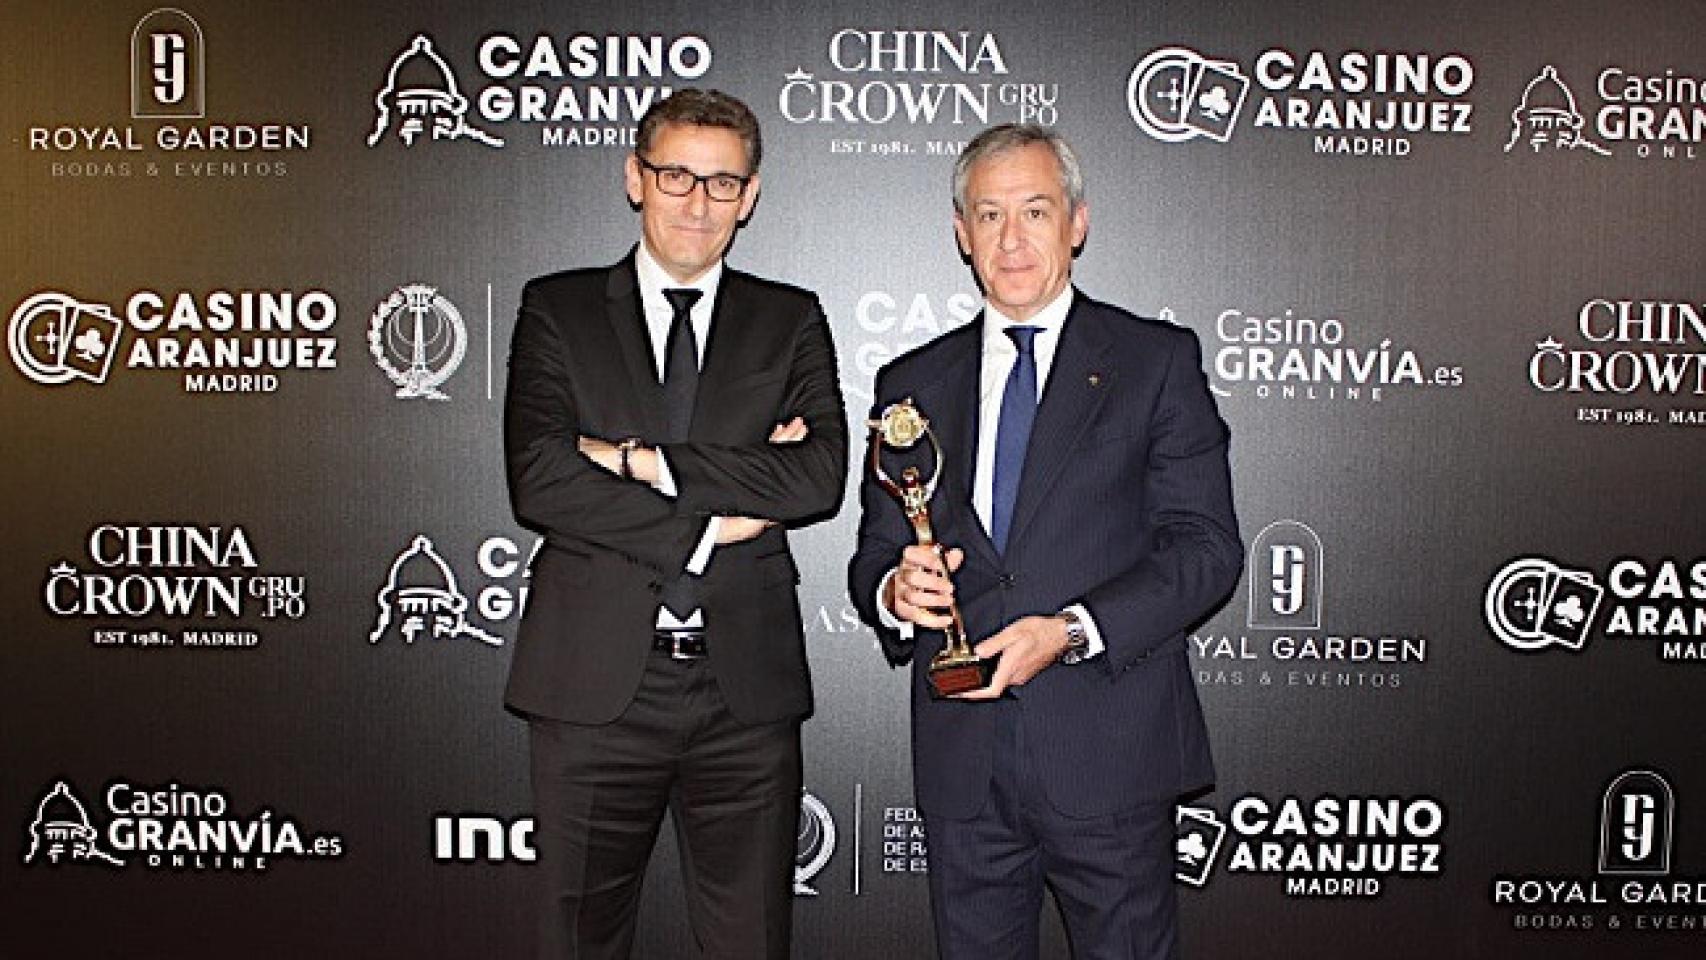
x=680 y=363
x=680 y=386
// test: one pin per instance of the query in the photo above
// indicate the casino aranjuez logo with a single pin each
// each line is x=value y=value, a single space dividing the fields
x=246 y=340
x=1354 y=102
x=1328 y=846
x=1534 y=604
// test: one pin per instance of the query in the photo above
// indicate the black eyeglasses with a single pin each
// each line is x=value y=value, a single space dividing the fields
x=680 y=181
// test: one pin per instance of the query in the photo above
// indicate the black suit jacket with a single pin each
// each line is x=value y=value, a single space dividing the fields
x=1124 y=506
x=581 y=363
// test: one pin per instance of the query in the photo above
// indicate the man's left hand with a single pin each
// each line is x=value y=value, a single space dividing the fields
x=1028 y=646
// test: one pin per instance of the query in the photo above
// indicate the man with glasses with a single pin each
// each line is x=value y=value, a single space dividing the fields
x=666 y=418
x=1088 y=502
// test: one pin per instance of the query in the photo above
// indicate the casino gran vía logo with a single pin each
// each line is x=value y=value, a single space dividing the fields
x=1288 y=357
x=421 y=597
x=1533 y=604
x=167 y=826
x=169 y=133
x=1351 y=103
x=577 y=90
x=1633 y=888
x=1647 y=113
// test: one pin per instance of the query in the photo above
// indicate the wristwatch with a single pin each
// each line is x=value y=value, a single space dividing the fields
x=627 y=448
x=1077 y=638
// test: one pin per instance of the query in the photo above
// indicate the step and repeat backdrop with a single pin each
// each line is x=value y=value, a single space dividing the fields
x=260 y=579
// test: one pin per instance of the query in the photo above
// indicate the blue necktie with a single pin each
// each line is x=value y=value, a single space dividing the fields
x=1018 y=412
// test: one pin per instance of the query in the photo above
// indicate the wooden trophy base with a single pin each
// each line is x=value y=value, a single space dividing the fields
x=949 y=677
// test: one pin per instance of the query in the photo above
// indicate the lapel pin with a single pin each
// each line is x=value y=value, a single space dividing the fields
x=1095 y=379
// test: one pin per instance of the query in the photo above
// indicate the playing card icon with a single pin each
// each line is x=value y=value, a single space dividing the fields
x=1198 y=832
x=55 y=338
x=1176 y=94
x=1215 y=104
x=90 y=346
x=1533 y=603
x=1193 y=850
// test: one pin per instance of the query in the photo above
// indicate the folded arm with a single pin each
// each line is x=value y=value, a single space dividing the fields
x=786 y=482
x=556 y=490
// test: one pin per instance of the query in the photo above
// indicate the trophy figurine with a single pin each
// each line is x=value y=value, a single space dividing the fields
x=957 y=668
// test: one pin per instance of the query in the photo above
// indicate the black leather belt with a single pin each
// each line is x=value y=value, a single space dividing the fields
x=680 y=644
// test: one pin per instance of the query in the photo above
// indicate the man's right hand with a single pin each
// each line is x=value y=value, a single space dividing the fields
x=742 y=529
x=920 y=590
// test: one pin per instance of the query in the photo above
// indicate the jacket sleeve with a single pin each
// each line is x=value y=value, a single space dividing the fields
x=787 y=482
x=555 y=490
x=1197 y=554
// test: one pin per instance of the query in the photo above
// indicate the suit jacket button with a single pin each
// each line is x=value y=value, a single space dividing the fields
x=1009 y=581
x=656 y=586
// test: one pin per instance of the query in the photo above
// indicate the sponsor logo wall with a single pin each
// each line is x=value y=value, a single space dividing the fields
x=263 y=582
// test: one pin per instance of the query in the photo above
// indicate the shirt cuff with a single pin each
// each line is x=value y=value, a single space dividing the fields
x=1093 y=646
x=886 y=618
x=666 y=484
x=701 y=557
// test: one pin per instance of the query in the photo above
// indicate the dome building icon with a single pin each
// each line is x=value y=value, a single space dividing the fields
x=62 y=831
x=1547 y=117
x=421 y=593
x=421 y=90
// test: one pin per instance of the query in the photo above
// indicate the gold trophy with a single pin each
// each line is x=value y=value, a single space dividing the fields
x=957 y=668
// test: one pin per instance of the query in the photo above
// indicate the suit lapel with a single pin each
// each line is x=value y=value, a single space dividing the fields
x=1078 y=382
x=627 y=318
x=735 y=317
x=954 y=421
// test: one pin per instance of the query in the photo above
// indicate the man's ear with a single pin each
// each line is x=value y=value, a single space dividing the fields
x=749 y=199
x=635 y=179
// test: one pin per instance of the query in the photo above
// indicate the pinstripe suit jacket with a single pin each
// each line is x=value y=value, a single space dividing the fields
x=1124 y=506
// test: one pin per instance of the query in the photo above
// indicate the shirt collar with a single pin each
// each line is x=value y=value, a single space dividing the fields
x=654 y=280
x=1050 y=319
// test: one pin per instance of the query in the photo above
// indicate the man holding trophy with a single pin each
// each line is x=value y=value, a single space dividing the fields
x=1064 y=506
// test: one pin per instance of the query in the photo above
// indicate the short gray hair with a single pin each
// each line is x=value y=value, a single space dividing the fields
x=1011 y=136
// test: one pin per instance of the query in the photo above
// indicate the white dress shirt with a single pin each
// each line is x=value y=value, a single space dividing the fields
x=660 y=316
x=999 y=356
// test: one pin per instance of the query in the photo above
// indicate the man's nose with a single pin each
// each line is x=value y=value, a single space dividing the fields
x=699 y=198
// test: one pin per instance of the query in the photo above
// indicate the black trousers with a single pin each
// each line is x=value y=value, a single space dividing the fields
x=1112 y=875
x=599 y=795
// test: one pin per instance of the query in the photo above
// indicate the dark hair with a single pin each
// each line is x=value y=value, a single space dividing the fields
x=703 y=108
